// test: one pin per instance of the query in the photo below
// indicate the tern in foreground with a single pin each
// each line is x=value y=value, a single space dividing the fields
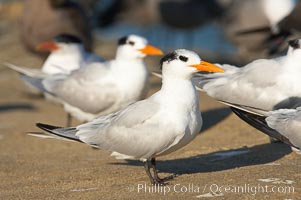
x=158 y=125
x=102 y=88
x=263 y=85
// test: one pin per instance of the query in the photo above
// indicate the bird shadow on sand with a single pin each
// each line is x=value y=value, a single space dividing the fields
x=16 y=106
x=220 y=160
x=214 y=116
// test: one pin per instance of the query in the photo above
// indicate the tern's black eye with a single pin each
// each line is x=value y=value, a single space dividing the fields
x=183 y=58
x=132 y=43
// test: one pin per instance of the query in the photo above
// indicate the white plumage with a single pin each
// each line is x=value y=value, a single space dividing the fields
x=288 y=123
x=266 y=84
x=158 y=125
x=102 y=88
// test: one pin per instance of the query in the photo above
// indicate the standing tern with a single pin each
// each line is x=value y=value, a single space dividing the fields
x=66 y=55
x=102 y=88
x=261 y=86
x=158 y=125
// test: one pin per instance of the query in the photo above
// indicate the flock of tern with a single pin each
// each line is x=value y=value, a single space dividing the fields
x=108 y=96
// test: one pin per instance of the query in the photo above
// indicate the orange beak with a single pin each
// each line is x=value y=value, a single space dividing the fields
x=208 y=67
x=48 y=46
x=150 y=50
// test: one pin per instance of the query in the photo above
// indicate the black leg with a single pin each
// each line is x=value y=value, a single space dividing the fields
x=156 y=177
x=146 y=167
x=69 y=120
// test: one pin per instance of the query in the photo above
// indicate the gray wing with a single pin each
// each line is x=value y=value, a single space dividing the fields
x=259 y=122
x=37 y=73
x=288 y=123
x=133 y=131
x=257 y=80
x=86 y=88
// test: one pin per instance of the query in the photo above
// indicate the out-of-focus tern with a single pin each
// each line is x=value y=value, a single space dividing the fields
x=158 y=125
x=261 y=86
x=102 y=88
x=66 y=55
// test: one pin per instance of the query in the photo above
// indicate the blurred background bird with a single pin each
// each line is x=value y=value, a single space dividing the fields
x=99 y=88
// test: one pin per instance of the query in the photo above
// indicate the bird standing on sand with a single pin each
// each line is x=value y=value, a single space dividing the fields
x=158 y=125
x=102 y=88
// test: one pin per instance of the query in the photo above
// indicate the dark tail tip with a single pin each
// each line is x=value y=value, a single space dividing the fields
x=47 y=127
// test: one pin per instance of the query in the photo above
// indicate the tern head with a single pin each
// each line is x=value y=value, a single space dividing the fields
x=184 y=63
x=133 y=46
x=62 y=42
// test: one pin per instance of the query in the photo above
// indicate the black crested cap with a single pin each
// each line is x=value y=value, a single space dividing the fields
x=294 y=43
x=168 y=57
x=122 y=40
x=67 y=38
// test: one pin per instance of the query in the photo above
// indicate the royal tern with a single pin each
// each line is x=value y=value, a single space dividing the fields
x=66 y=55
x=102 y=88
x=261 y=86
x=266 y=84
x=158 y=125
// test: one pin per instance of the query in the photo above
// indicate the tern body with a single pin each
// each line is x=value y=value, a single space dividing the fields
x=158 y=125
x=258 y=88
x=266 y=84
x=102 y=88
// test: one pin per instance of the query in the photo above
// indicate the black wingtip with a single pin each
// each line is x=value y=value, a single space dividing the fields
x=47 y=127
x=260 y=124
